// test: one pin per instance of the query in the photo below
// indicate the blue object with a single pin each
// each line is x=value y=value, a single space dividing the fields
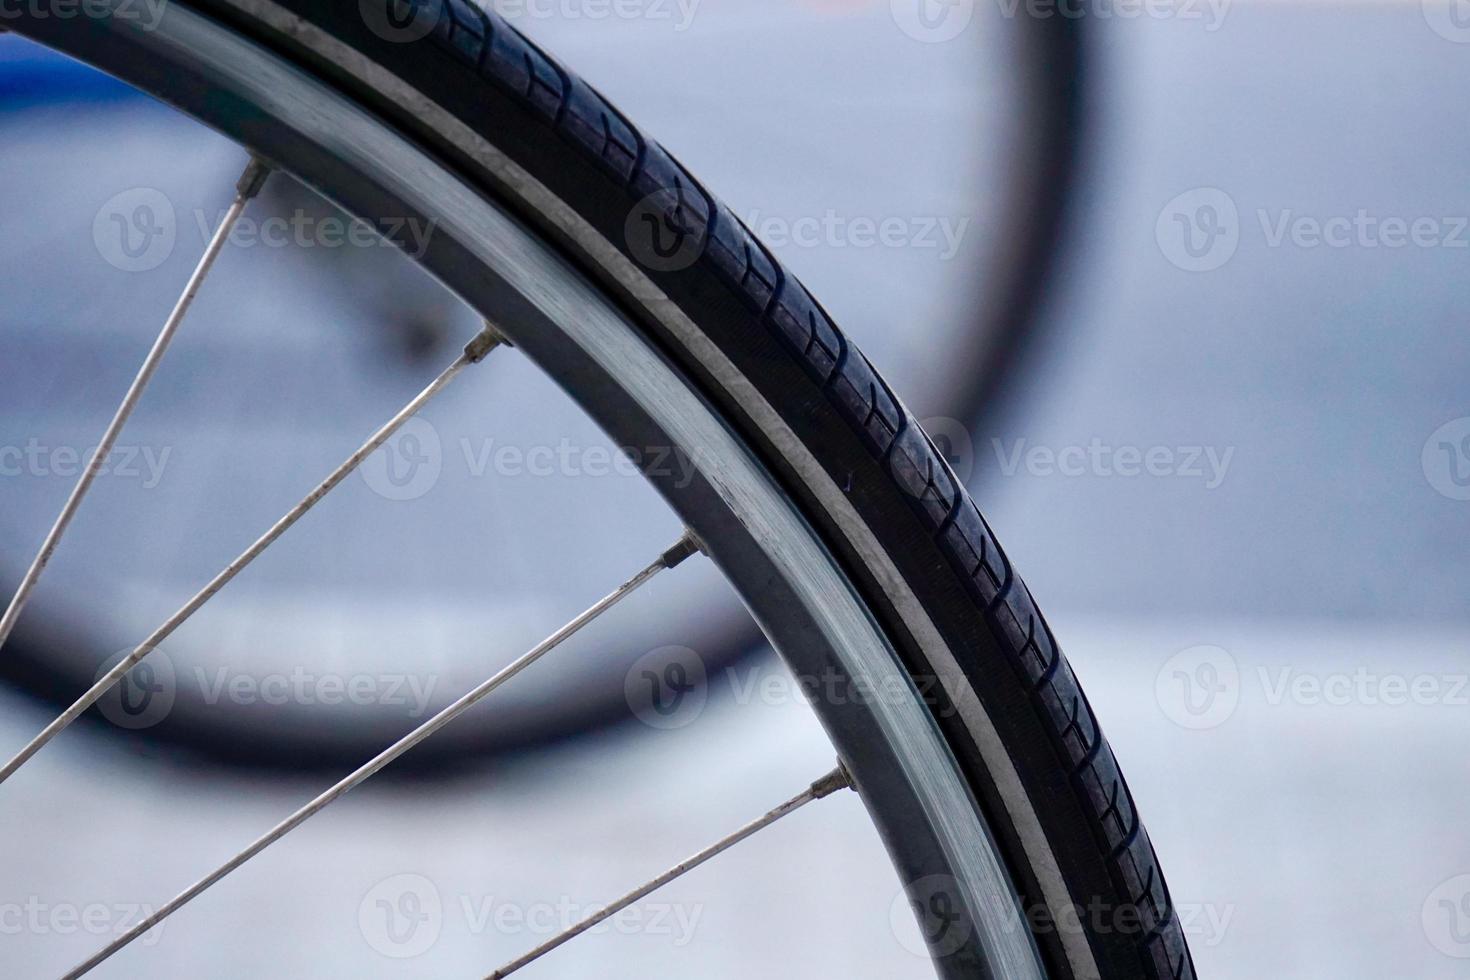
x=31 y=74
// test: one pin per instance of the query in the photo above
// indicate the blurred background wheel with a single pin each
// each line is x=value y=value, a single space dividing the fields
x=957 y=251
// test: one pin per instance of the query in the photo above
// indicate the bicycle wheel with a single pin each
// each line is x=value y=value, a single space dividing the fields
x=810 y=486
x=63 y=109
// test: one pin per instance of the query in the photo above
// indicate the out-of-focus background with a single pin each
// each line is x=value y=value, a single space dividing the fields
x=1235 y=469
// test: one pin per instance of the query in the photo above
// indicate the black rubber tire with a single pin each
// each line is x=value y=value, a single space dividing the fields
x=648 y=208
x=978 y=385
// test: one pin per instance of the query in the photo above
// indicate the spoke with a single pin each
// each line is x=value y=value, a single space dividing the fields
x=832 y=782
x=246 y=187
x=681 y=550
x=474 y=352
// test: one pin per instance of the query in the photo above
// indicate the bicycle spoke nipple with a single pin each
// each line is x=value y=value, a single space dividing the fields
x=837 y=779
x=683 y=548
x=253 y=179
x=485 y=341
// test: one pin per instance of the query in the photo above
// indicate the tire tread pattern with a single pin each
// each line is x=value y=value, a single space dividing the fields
x=583 y=118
